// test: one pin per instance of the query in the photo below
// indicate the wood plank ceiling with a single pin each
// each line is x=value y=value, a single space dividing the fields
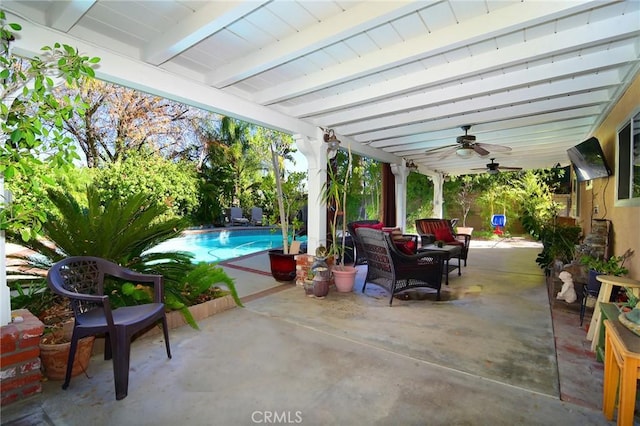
x=392 y=77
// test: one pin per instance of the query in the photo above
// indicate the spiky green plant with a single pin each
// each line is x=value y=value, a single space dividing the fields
x=122 y=230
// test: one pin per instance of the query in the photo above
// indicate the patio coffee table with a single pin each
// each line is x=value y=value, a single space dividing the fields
x=450 y=252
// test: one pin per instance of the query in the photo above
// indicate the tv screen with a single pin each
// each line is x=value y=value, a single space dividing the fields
x=588 y=160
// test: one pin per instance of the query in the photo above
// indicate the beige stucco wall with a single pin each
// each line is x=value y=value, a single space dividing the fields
x=625 y=220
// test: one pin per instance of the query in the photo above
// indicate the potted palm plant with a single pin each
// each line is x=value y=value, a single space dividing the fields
x=334 y=194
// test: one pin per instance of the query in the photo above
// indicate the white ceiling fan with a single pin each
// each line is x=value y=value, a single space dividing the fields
x=494 y=168
x=466 y=146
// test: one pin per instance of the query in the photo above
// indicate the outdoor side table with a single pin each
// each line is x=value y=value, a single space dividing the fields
x=621 y=371
x=608 y=281
x=450 y=251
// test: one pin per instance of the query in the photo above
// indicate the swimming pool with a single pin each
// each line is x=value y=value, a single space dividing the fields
x=219 y=245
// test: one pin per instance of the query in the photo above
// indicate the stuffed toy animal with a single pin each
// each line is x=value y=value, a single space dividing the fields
x=578 y=272
x=568 y=293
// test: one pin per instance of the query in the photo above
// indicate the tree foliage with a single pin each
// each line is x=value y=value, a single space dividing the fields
x=32 y=120
x=419 y=199
x=118 y=121
x=232 y=166
x=164 y=182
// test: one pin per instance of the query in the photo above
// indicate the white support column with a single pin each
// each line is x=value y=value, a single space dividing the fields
x=401 y=172
x=315 y=152
x=5 y=294
x=438 y=198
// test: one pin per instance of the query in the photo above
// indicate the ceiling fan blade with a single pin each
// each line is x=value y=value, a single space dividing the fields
x=495 y=148
x=430 y=150
x=510 y=168
x=480 y=150
x=448 y=152
x=479 y=168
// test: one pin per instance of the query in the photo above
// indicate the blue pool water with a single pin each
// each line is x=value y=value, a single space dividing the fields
x=215 y=246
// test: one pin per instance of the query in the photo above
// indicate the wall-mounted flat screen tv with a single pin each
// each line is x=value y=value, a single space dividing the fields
x=588 y=160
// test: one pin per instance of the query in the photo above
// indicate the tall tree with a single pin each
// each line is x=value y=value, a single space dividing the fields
x=231 y=144
x=246 y=158
x=119 y=119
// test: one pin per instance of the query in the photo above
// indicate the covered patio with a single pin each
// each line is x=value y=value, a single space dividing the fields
x=394 y=80
x=491 y=352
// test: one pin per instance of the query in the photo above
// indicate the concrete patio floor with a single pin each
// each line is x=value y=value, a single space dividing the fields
x=489 y=353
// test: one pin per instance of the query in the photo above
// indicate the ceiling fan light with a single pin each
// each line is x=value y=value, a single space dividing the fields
x=464 y=152
x=492 y=171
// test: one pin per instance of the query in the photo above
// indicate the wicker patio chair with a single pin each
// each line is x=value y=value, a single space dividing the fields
x=432 y=229
x=395 y=271
x=360 y=258
x=402 y=240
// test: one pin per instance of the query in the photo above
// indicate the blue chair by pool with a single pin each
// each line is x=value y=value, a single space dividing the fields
x=256 y=216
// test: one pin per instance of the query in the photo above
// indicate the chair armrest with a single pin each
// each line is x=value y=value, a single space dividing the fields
x=128 y=274
x=102 y=300
x=415 y=258
x=93 y=298
x=465 y=237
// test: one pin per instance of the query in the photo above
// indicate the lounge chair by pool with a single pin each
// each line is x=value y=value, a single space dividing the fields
x=236 y=217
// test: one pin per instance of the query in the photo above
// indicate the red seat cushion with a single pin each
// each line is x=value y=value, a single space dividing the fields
x=444 y=234
x=406 y=247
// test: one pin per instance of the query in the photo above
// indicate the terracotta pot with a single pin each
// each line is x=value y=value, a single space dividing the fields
x=54 y=357
x=344 y=278
x=283 y=266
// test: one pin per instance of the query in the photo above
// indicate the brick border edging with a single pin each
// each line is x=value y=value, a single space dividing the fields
x=20 y=375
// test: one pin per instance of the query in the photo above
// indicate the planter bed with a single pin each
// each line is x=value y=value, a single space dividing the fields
x=175 y=318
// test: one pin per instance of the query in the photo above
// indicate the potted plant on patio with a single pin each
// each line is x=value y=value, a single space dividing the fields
x=612 y=266
x=56 y=315
x=334 y=195
x=56 y=342
x=282 y=261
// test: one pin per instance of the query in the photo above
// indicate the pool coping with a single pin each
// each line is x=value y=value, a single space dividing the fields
x=229 y=263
